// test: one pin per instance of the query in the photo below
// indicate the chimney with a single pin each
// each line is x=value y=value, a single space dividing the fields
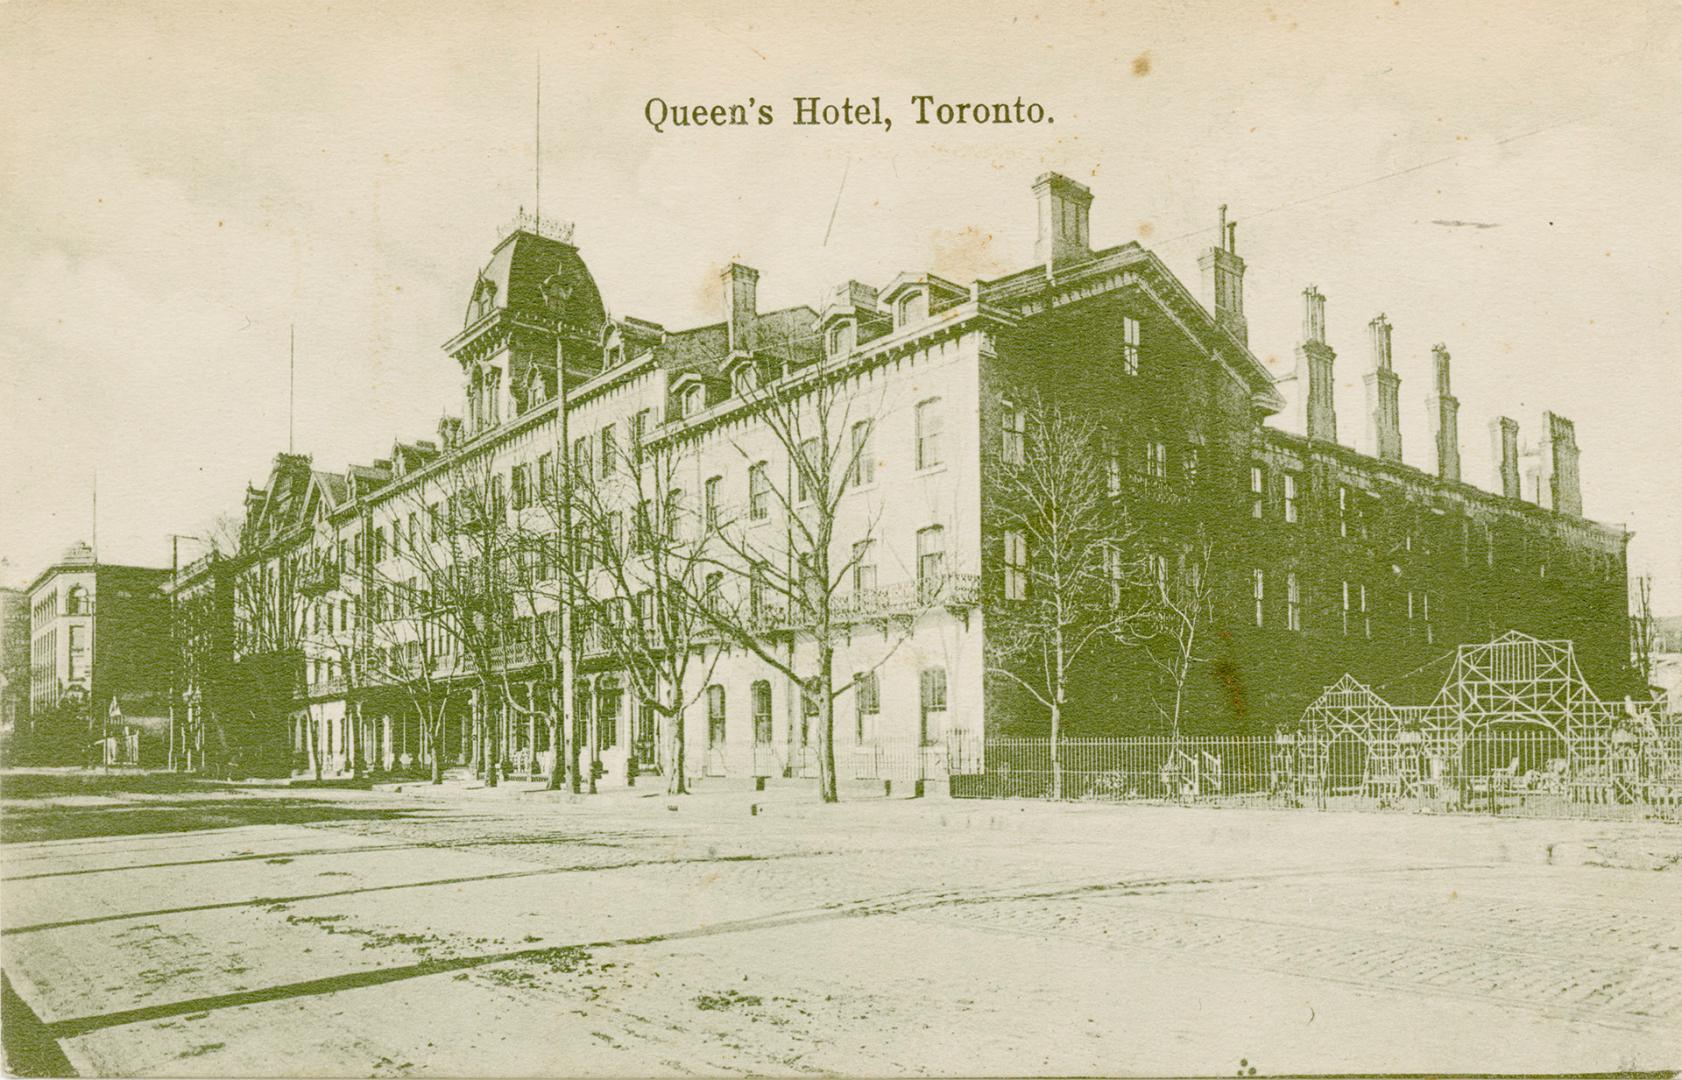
x=1065 y=208
x=1445 y=419
x=1318 y=416
x=1561 y=483
x=1383 y=414
x=1223 y=281
x=1503 y=437
x=741 y=305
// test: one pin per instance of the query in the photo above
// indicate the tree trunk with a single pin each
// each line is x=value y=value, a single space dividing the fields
x=491 y=747
x=1058 y=696
x=314 y=745
x=353 y=747
x=678 y=784
x=593 y=734
x=557 y=741
x=1056 y=757
x=827 y=788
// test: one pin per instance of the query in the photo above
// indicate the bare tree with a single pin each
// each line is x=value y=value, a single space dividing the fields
x=412 y=649
x=794 y=580
x=1644 y=634
x=1178 y=634
x=1071 y=561
x=643 y=586
x=267 y=602
x=466 y=565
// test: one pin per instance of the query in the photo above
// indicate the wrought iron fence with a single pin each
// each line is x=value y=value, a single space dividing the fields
x=1618 y=774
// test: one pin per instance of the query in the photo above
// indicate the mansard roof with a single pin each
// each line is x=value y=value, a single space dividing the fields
x=514 y=277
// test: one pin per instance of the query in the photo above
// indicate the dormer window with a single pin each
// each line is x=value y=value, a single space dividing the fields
x=745 y=378
x=484 y=299
x=840 y=341
x=694 y=399
x=538 y=392
x=908 y=309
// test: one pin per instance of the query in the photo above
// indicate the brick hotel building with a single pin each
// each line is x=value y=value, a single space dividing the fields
x=1326 y=560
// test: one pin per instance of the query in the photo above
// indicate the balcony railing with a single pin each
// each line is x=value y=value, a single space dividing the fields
x=910 y=597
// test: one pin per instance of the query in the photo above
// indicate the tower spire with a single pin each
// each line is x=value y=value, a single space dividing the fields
x=537 y=147
x=291 y=384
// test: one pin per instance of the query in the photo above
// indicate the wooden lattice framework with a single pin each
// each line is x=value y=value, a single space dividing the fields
x=1513 y=682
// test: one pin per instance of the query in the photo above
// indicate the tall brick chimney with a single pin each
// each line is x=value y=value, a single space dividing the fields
x=1445 y=418
x=1561 y=483
x=1318 y=415
x=1503 y=438
x=1223 y=280
x=1065 y=209
x=741 y=305
x=1384 y=420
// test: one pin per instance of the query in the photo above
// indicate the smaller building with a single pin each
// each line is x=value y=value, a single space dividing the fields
x=97 y=631
x=14 y=660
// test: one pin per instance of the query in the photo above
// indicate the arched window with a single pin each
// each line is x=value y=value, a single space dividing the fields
x=761 y=713
x=76 y=602
x=715 y=716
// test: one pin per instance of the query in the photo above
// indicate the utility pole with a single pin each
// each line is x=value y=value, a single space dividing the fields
x=554 y=297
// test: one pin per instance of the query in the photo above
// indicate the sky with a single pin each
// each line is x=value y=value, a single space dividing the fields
x=182 y=183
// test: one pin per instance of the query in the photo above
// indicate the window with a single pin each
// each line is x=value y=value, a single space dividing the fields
x=711 y=495
x=517 y=484
x=864 y=455
x=715 y=717
x=807 y=470
x=931 y=556
x=1115 y=571
x=379 y=533
x=929 y=427
x=867 y=705
x=1290 y=498
x=906 y=310
x=609 y=450
x=1188 y=464
x=759 y=493
x=1257 y=490
x=761 y=713
x=1129 y=346
x=545 y=474
x=932 y=711
x=76 y=601
x=1016 y=566
x=710 y=591
x=756 y=590
x=864 y=567
x=1258 y=591
x=673 y=513
x=1342 y=511
x=1366 y=615
x=1013 y=449
x=1112 y=468
x=78 y=669
x=642 y=526
x=414 y=532
x=609 y=700
x=1156 y=460
x=581 y=457
x=1346 y=609
x=840 y=339
x=639 y=432
x=1425 y=609
x=1293 y=602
